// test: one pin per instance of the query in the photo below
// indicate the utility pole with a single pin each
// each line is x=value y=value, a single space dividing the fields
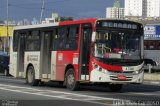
x=7 y=45
x=42 y=10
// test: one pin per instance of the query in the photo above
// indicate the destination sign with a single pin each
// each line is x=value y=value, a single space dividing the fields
x=118 y=24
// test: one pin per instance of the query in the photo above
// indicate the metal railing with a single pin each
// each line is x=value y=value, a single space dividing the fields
x=151 y=69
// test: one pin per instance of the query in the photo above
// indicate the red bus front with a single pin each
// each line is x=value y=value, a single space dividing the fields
x=117 y=52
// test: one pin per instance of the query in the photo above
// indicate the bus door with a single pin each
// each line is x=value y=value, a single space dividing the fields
x=45 y=60
x=20 y=54
x=85 y=52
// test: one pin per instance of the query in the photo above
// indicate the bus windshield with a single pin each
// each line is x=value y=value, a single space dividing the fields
x=117 y=44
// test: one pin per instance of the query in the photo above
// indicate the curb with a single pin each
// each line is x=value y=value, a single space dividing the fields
x=152 y=83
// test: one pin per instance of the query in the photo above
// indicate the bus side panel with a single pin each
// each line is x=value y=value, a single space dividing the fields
x=53 y=65
x=32 y=58
x=63 y=58
x=13 y=64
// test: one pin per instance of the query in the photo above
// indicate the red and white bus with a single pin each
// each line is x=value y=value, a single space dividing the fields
x=74 y=52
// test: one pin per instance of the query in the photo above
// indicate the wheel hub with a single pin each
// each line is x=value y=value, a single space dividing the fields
x=70 y=80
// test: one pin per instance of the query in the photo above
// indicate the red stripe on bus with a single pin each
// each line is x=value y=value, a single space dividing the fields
x=109 y=67
x=92 y=20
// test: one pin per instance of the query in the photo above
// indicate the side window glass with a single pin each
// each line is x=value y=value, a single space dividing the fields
x=33 y=41
x=61 y=38
x=36 y=40
x=58 y=38
x=15 y=41
x=72 y=39
x=62 y=32
x=65 y=38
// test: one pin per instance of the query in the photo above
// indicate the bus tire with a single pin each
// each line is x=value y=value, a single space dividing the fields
x=70 y=78
x=115 y=87
x=30 y=77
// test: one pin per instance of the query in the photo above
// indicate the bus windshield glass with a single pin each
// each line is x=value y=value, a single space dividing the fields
x=117 y=44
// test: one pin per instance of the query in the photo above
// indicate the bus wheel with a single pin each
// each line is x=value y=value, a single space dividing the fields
x=115 y=87
x=70 y=78
x=30 y=78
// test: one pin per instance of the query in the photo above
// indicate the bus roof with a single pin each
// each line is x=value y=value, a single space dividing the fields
x=91 y=20
x=55 y=24
x=36 y=26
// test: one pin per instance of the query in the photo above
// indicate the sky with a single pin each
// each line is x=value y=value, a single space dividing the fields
x=78 y=9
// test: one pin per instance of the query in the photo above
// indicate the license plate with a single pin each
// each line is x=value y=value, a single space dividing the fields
x=121 y=77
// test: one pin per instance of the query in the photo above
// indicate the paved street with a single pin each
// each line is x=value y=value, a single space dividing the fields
x=16 y=90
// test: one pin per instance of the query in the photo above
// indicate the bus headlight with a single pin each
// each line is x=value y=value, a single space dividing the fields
x=139 y=71
x=100 y=69
x=97 y=67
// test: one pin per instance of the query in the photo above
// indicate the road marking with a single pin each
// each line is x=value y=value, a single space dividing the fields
x=59 y=92
x=146 y=93
x=84 y=97
x=61 y=95
x=157 y=93
x=11 y=78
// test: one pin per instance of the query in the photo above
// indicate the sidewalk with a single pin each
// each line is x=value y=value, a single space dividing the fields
x=151 y=79
x=152 y=83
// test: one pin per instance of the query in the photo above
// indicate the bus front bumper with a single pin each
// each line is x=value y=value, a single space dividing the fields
x=119 y=78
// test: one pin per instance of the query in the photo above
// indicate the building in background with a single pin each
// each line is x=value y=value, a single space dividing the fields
x=135 y=9
x=24 y=22
x=115 y=12
x=34 y=21
x=142 y=9
x=54 y=18
x=153 y=8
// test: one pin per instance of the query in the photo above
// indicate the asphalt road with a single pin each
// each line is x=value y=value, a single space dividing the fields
x=14 y=92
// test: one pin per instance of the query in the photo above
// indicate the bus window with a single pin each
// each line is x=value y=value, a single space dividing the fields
x=72 y=39
x=33 y=41
x=65 y=38
x=55 y=38
x=59 y=37
x=15 y=41
x=62 y=33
